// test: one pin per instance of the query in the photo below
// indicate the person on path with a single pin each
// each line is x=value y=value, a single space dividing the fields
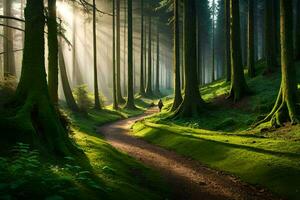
x=160 y=105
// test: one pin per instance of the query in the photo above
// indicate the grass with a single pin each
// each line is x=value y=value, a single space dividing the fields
x=223 y=138
x=109 y=174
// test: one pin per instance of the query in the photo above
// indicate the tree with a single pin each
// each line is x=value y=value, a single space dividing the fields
x=239 y=87
x=297 y=29
x=176 y=51
x=251 y=67
x=142 y=85
x=96 y=90
x=286 y=107
x=115 y=102
x=53 y=52
x=120 y=98
x=34 y=119
x=149 y=91
x=270 y=50
x=213 y=41
x=192 y=104
x=157 y=60
x=130 y=97
x=8 y=46
x=65 y=81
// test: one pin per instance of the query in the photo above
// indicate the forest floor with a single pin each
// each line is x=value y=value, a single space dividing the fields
x=187 y=178
x=224 y=139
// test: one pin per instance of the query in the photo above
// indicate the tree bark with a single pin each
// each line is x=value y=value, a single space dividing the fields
x=192 y=104
x=157 y=90
x=176 y=51
x=97 y=104
x=286 y=108
x=130 y=99
x=115 y=102
x=65 y=81
x=142 y=85
x=53 y=52
x=213 y=43
x=251 y=67
x=227 y=45
x=149 y=91
x=8 y=44
x=239 y=87
x=120 y=98
x=297 y=28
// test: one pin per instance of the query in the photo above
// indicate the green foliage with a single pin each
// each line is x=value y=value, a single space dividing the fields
x=7 y=89
x=24 y=175
x=223 y=138
x=83 y=100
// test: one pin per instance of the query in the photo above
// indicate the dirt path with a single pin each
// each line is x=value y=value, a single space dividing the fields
x=189 y=180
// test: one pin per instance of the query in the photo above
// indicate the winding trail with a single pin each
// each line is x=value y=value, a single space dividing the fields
x=188 y=179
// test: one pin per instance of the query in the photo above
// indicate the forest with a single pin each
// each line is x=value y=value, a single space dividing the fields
x=150 y=99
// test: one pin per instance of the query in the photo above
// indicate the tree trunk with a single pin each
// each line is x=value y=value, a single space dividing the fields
x=297 y=28
x=96 y=90
x=227 y=33
x=142 y=85
x=192 y=104
x=130 y=99
x=251 y=67
x=286 y=108
x=65 y=81
x=8 y=42
x=157 y=91
x=36 y=121
x=119 y=97
x=125 y=47
x=270 y=50
x=239 y=87
x=53 y=52
x=177 y=85
x=115 y=102
x=149 y=74
x=213 y=43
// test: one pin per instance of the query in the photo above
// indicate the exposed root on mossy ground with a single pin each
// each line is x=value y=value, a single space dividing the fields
x=285 y=110
x=36 y=122
x=189 y=109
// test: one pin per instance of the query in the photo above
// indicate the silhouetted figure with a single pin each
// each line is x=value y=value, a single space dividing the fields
x=160 y=105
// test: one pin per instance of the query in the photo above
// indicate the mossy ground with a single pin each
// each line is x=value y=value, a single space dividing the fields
x=108 y=174
x=223 y=138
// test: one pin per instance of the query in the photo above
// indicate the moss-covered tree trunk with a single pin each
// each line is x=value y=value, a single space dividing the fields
x=270 y=50
x=130 y=97
x=97 y=104
x=157 y=89
x=239 y=87
x=192 y=104
x=115 y=101
x=120 y=98
x=227 y=36
x=286 y=107
x=297 y=29
x=176 y=51
x=149 y=91
x=251 y=67
x=8 y=42
x=35 y=120
x=53 y=52
x=142 y=81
